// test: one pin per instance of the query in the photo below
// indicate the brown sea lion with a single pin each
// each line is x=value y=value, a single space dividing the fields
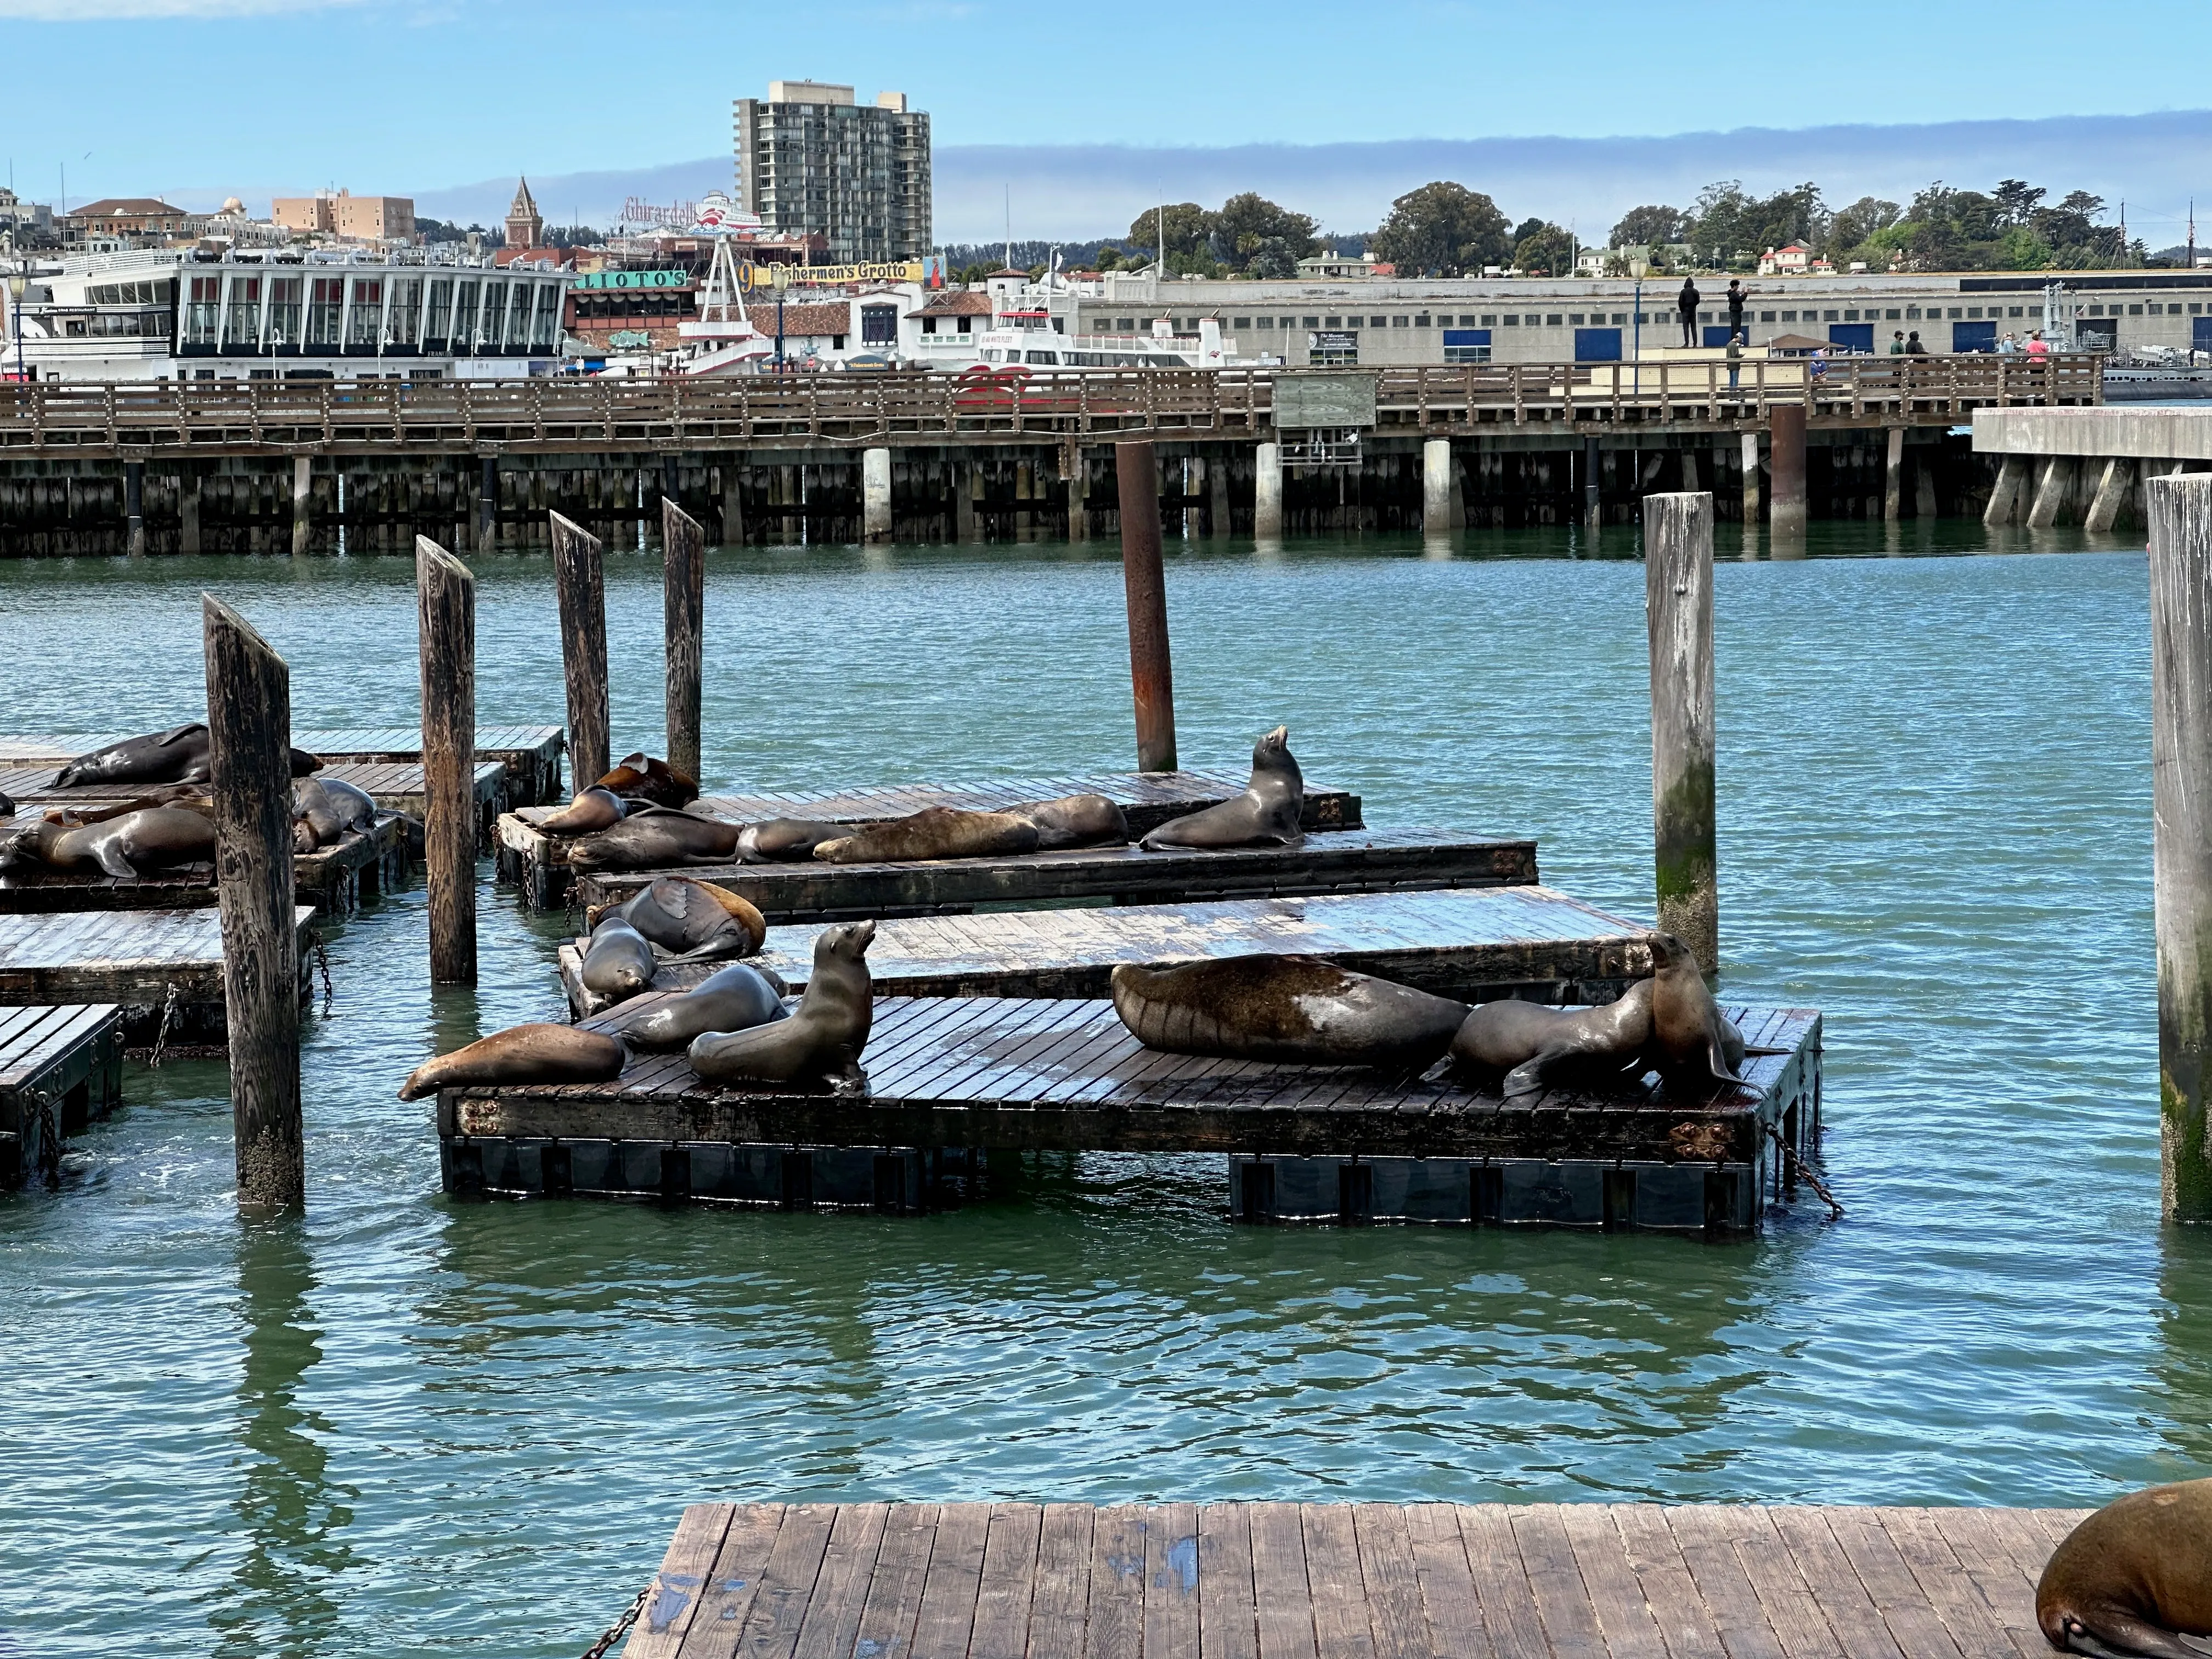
x=177 y=755
x=1267 y=814
x=734 y=999
x=1300 y=1009
x=1076 y=821
x=1533 y=1046
x=935 y=832
x=655 y=838
x=695 y=919
x=777 y=841
x=522 y=1054
x=324 y=808
x=643 y=777
x=1691 y=1038
x=149 y=838
x=595 y=808
x=820 y=1044
x=618 y=960
x=2136 y=1578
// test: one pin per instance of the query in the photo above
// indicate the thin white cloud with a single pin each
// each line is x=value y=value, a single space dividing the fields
x=94 y=11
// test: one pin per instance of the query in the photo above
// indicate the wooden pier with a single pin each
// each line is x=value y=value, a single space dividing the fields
x=537 y=863
x=1474 y=943
x=1349 y=1581
x=60 y=1067
x=165 y=967
x=988 y=1073
x=334 y=879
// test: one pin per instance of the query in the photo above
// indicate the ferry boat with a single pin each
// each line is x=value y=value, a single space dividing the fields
x=290 y=313
x=1033 y=323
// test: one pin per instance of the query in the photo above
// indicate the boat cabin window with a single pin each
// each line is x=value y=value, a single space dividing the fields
x=1052 y=357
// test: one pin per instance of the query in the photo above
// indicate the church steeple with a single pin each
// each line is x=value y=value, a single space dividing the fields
x=526 y=225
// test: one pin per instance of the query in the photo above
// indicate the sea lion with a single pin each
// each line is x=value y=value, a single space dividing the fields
x=1300 y=1009
x=1691 y=1038
x=595 y=808
x=522 y=1054
x=733 y=999
x=618 y=962
x=150 y=838
x=7 y=807
x=1533 y=1045
x=694 y=918
x=935 y=832
x=2136 y=1578
x=177 y=755
x=1267 y=814
x=775 y=841
x=1076 y=821
x=325 y=809
x=642 y=776
x=822 y=1042
x=654 y=838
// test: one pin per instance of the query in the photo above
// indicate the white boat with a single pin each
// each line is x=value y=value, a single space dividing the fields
x=1032 y=323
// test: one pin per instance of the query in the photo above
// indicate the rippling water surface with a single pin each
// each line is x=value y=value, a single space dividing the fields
x=406 y=1425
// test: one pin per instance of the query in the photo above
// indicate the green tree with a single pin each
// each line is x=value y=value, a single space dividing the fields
x=1549 y=252
x=1252 y=234
x=1442 y=229
x=1729 y=223
x=2021 y=249
x=1851 y=231
x=1184 y=224
x=1647 y=226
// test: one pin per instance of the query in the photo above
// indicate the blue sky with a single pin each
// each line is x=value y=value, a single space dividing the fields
x=199 y=97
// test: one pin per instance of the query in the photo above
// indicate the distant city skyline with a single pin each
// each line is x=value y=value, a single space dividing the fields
x=1570 y=119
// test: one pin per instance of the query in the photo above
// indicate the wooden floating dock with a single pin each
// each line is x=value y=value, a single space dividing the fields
x=59 y=1067
x=1329 y=861
x=150 y=961
x=986 y=1072
x=531 y=754
x=1349 y=1581
x=334 y=879
x=538 y=863
x=1474 y=943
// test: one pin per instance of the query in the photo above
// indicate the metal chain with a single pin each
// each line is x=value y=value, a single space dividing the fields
x=323 y=966
x=615 y=1631
x=1811 y=1176
x=169 y=1022
x=50 y=1140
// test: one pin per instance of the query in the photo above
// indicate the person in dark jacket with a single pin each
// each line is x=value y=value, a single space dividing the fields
x=1912 y=346
x=1687 y=303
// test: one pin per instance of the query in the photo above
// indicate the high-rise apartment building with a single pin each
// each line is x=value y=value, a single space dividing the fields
x=810 y=158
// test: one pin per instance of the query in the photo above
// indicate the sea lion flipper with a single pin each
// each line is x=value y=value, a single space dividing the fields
x=175 y=734
x=111 y=860
x=2123 y=1636
x=1717 y=1057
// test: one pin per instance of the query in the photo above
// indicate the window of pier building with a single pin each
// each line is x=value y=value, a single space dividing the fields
x=204 y=311
x=243 y=327
x=1552 y=321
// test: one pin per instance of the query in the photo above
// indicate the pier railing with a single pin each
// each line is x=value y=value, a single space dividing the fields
x=216 y=417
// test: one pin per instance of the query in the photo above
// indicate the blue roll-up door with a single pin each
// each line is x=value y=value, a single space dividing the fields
x=1466 y=345
x=1718 y=336
x=1859 y=336
x=1597 y=345
x=1973 y=337
x=2200 y=333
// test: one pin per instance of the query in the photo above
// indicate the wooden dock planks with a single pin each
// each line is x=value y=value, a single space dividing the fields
x=60 y=1067
x=1325 y=1581
x=538 y=864
x=1327 y=861
x=334 y=878
x=1476 y=943
x=139 y=958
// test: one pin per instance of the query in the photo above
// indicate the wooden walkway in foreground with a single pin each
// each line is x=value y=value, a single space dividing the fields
x=1345 y=1580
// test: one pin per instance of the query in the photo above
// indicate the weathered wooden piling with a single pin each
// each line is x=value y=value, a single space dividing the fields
x=303 y=518
x=249 y=701
x=1786 y=509
x=1750 y=478
x=2180 y=510
x=1678 y=589
x=683 y=545
x=488 y=507
x=134 y=507
x=1150 y=672
x=445 y=595
x=734 y=500
x=579 y=581
x=1593 y=493
x=1267 y=491
x=1893 y=492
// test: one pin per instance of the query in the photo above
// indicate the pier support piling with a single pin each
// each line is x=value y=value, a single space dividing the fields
x=1078 y=495
x=2114 y=485
x=188 y=511
x=1750 y=445
x=579 y=583
x=134 y=507
x=2004 y=498
x=876 y=495
x=1893 y=492
x=2180 y=513
x=734 y=502
x=249 y=702
x=1435 y=488
x=488 y=507
x=685 y=617
x=445 y=594
x=1267 y=492
x=2052 y=488
x=303 y=483
x=1678 y=587
x=1786 y=488
x=1217 y=495
x=1592 y=492
x=966 y=523
x=1150 y=672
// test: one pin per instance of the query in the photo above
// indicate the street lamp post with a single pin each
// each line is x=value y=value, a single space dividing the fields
x=18 y=280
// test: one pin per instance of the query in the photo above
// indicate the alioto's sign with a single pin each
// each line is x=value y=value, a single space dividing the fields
x=634 y=279
x=754 y=277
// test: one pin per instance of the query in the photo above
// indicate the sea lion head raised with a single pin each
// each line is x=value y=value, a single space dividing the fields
x=2135 y=1577
x=1272 y=753
x=648 y=777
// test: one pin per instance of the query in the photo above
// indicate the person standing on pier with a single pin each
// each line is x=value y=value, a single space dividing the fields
x=2038 y=347
x=1737 y=293
x=1897 y=343
x=1687 y=303
x=1912 y=346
